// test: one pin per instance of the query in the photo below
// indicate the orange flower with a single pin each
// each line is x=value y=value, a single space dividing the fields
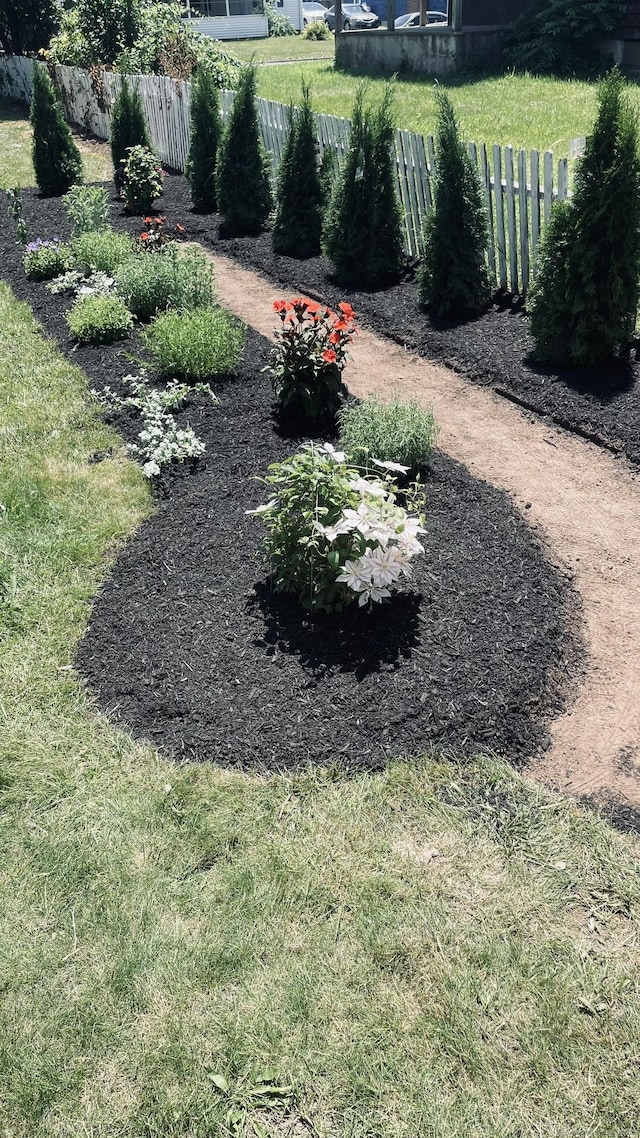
x=144 y=236
x=346 y=309
x=148 y=221
x=329 y=356
x=335 y=338
x=312 y=307
x=180 y=228
x=280 y=306
x=340 y=326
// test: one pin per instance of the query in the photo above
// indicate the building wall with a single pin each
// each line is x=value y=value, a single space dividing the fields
x=232 y=27
x=420 y=52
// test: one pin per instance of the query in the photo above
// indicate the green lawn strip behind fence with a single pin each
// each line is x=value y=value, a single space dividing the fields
x=282 y=48
x=15 y=146
x=431 y=950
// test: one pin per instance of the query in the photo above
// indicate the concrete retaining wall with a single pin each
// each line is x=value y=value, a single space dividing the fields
x=437 y=51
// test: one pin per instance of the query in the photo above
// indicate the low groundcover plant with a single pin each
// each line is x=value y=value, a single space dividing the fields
x=335 y=536
x=99 y=319
x=46 y=259
x=311 y=351
x=397 y=431
x=161 y=440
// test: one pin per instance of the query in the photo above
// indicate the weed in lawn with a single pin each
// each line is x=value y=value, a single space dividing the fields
x=194 y=346
x=99 y=319
x=163 y=923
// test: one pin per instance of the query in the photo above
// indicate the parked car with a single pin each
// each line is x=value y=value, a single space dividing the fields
x=312 y=13
x=412 y=20
x=353 y=16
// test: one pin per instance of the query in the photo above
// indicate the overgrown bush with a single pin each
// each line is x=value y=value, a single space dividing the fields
x=152 y=282
x=101 y=250
x=128 y=127
x=206 y=128
x=44 y=260
x=335 y=537
x=453 y=279
x=317 y=30
x=56 y=158
x=277 y=23
x=562 y=37
x=88 y=209
x=362 y=232
x=243 y=188
x=196 y=345
x=585 y=298
x=309 y=357
x=298 y=222
x=395 y=432
x=141 y=180
x=99 y=319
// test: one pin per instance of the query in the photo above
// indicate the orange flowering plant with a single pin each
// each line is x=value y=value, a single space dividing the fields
x=311 y=351
x=154 y=234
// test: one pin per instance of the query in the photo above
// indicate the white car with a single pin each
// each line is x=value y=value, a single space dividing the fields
x=312 y=14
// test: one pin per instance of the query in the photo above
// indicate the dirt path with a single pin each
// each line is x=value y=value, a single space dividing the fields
x=585 y=503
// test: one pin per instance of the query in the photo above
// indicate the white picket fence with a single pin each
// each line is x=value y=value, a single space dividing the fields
x=519 y=186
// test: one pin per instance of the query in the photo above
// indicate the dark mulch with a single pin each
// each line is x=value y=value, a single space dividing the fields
x=189 y=647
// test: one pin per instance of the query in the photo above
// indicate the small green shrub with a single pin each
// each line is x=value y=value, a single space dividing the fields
x=243 y=186
x=101 y=250
x=307 y=362
x=391 y=432
x=99 y=319
x=44 y=260
x=317 y=30
x=453 y=280
x=141 y=179
x=206 y=129
x=298 y=221
x=277 y=23
x=128 y=127
x=152 y=282
x=585 y=298
x=362 y=232
x=196 y=345
x=88 y=209
x=335 y=537
x=56 y=158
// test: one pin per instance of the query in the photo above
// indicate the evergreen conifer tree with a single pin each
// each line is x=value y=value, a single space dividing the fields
x=128 y=127
x=362 y=232
x=298 y=221
x=585 y=299
x=452 y=278
x=56 y=158
x=205 y=137
x=243 y=188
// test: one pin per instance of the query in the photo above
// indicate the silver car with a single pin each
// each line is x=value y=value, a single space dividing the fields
x=353 y=16
x=312 y=14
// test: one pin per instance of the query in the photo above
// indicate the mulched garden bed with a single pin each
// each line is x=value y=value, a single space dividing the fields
x=189 y=647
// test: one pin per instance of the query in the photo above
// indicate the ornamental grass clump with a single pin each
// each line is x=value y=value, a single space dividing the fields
x=101 y=250
x=141 y=179
x=44 y=260
x=453 y=280
x=194 y=346
x=310 y=355
x=154 y=282
x=298 y=222
x=99 y=319
x=398 y=432
x=56 y=158
x=334 y=536
x=243 y=186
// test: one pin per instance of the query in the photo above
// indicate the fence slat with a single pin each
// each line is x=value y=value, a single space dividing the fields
x=485 y=174
x=499 y=198
x=523 y=212
x=511 y=217
x=535 y=205
x=548 y=185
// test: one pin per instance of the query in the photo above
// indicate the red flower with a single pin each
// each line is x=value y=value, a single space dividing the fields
x=180 y=228
x=346 y=309
x=148 y=221
x=280 y=305
x=340 y=326
x=335 y=338
x=144 y=236
x=312 y=308
x=329 y=356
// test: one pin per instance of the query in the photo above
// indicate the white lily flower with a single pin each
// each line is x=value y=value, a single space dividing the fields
x=351 y=576
x=331 y=452
x=390 y=466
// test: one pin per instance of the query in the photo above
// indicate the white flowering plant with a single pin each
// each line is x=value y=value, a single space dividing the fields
x=336 y=536
x=75 y=283
x=161 y=441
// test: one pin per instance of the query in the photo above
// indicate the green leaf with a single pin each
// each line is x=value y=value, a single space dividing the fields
x=219 y=1082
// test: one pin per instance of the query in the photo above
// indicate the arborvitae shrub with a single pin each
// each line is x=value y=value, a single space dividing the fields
x=56 y=158
x=298 y=222
x=329 y=167
x=362 y=231
x=585 y=299
x=243 y=188
x=205 y=137
x=453 y=279
x=128 y=127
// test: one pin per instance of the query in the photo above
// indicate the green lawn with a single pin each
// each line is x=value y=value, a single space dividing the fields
x=279 y=48
x=15 y=147
x=435 y=950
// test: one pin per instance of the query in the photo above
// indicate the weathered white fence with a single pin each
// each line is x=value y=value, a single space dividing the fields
x=519 y=186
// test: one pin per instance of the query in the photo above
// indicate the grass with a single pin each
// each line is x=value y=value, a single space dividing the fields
x=281 y=48
x=17 y=167
x=167 y=924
